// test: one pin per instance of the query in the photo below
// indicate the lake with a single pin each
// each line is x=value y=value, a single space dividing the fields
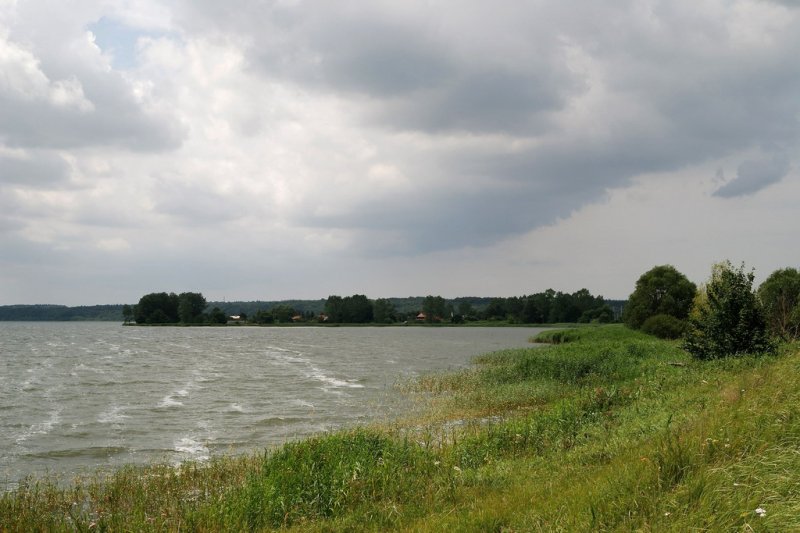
x=78 y=397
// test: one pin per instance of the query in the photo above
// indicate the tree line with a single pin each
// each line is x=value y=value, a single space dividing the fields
x=724 y=316
x=546 y=307
x=541 y=308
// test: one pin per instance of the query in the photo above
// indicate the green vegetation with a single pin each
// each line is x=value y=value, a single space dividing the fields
x=184 y=308
x=662 y=290
x=780 y=296
x=727 y=318
x=665 y=327
x=604 y=429
x=61 y=313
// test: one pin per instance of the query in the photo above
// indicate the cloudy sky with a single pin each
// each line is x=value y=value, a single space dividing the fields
x=274 y=149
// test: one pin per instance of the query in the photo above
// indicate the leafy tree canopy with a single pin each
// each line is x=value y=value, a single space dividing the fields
x=662 y=290
x=780 y=296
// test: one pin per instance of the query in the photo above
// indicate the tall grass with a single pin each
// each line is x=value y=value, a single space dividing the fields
x=610 y=431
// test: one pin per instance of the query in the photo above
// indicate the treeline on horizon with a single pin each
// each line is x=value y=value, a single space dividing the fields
x=60 y=313
x=540 y=308
x=308 y=309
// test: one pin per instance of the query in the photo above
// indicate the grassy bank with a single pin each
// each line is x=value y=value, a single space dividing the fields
x=606 y=429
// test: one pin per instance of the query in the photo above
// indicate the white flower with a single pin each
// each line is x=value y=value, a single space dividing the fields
x=761 y=512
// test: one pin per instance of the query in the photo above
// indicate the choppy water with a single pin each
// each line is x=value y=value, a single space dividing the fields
x=77 y=397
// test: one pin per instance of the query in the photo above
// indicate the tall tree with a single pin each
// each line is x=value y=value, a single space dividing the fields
x=384 y=311
x=780 y=296
x=434 y=307
x=357 y=309
x=334 y=308
x=662 y=290
x=190 y=307
x=157 y=308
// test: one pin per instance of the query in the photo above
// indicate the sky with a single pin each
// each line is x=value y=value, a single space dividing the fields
x=281 y=149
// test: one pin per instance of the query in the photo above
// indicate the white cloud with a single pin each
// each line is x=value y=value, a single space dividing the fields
x=22 y=79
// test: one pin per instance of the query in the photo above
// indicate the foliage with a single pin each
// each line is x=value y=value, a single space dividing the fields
x=283 y=313
x=157 y=308
x=263 y=317
x=61 y=313
x=216 y=316
x=662 y=290
x=127 y=313
x=355 y=309
x=728 y=319
x=665 y=326
x=384 y=311
x=190 y=307
x=557 y=336
x=598 y=315
x=163 y=308
x=780 y=296
x=435 y=308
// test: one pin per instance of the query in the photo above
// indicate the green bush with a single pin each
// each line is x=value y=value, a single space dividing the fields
x=727 y=318
x=664 y=327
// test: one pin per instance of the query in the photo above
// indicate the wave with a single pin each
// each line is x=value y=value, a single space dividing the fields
x=42 y=428
x=279 y=420
x=171 y=400
x=310 y=370
x=168 y=401
x=114 y=415
x=191 y=447
x=236 y=408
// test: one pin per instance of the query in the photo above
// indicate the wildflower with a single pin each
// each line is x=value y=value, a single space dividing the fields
x=761 y=512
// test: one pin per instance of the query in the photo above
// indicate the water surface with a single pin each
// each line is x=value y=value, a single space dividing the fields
x=77 y=397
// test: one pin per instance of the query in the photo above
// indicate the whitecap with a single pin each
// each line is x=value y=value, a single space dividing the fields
x=114 y=415
x=334 y=382
x=312 y=371
x=192 y=448
x=42 y=428
x=169 y=401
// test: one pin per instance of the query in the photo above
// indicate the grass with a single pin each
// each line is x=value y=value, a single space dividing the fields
x=604 y=429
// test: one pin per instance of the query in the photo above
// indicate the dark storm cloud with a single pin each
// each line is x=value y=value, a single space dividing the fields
x=752 y=176
x=684 y=89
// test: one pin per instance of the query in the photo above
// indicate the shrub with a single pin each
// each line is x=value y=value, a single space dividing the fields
x=664 y=327
x=727 y=319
